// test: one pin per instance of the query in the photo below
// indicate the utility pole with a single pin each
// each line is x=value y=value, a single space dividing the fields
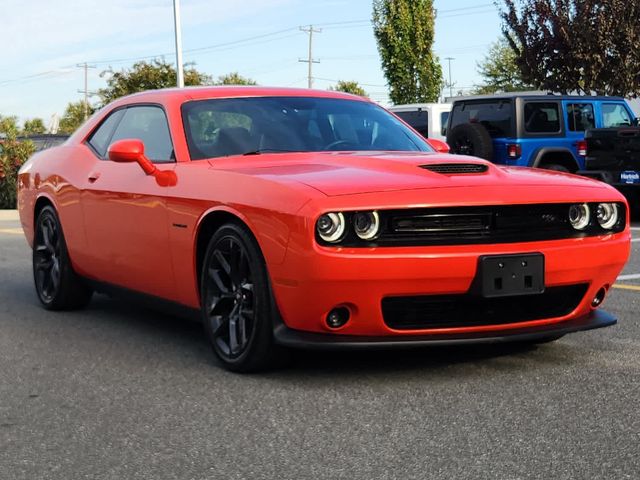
x=449 y=59
x=86 y=86
x=310 y=30
x=178 y=32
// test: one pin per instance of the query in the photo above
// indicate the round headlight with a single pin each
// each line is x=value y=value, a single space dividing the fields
x=330 y=227
x=579 y=216
x=607 y=215
x=366 y=225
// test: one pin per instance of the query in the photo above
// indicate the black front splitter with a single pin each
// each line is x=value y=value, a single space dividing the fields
x=326 y=341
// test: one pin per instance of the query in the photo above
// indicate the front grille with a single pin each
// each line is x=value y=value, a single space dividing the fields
x=467 y=310
x=456 y=168
x=477 y=225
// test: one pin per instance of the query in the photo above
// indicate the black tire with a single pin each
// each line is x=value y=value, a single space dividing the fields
x=236 y=301
x=57 y=285
x=555 y=167
x=471 y=139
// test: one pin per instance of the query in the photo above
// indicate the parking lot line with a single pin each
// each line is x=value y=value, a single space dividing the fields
x=635 y=288
x=632 y=276
x=11 y=231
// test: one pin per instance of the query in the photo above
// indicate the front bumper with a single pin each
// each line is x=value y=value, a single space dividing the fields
x=314 y=280
x=326 y=341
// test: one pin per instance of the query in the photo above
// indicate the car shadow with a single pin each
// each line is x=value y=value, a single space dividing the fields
x=185 y=336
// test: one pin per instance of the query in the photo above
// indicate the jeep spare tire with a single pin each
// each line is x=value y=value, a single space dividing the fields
x=471 y=139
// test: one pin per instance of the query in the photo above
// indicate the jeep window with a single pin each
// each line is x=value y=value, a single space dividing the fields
x=541 y=117
x=615 y=115
x=494 y=116
x=444 y=118
x=418 y=119
x=580 y=117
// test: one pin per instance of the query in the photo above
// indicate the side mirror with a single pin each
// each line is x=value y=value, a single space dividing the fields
x=128 y=151
x=438 y=145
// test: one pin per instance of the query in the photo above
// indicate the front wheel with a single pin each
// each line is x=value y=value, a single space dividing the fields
x=236 y=301
x=57 y=285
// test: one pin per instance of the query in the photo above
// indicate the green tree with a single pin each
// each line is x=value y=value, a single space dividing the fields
x=147 y=76
x=576 y=45
x=349 y=87
x=34 y=126
x=404 y=30
x=234 y=78
x=9 y=125
x=73 y=117
x=499 y=70
x=13 y=153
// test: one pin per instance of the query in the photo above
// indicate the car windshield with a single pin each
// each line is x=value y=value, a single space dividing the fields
x=242 y=126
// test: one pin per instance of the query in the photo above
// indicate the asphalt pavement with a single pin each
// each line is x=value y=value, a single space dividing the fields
x=118 y=391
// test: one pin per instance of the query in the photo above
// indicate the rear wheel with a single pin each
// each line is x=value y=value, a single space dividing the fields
x=57 y=285
x=236 y=301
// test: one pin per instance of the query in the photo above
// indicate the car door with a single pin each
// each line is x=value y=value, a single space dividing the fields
x=124 y=209
x=579 y=117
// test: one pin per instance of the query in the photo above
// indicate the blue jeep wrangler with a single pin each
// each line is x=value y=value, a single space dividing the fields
x=546 y=131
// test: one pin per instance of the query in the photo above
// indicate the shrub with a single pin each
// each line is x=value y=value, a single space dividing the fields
x=13 y=154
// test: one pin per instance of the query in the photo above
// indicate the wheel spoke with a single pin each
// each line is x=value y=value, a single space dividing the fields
x=214 y=273
x=222 y=261
x=233 y=333
x=217 y=324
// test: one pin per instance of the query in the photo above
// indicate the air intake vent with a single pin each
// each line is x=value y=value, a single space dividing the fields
x=456 y=168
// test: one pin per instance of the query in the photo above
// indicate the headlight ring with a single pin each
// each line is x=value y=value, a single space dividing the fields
x=331 y=227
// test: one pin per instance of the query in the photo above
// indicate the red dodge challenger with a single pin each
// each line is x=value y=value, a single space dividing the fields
x=298 y=218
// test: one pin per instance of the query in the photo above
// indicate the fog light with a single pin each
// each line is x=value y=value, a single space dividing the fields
x=599 y=298
x=338 y=317
x=579 y=216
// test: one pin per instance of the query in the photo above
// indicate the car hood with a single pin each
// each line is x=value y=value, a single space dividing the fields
x=343 y=173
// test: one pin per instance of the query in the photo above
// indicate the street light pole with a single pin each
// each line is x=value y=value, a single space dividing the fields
x=178 y=31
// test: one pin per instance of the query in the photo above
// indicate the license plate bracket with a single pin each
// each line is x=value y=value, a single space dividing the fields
x=510 y=275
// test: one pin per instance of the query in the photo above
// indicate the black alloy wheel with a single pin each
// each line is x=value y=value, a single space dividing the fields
x=236 y=301
x=57 y=285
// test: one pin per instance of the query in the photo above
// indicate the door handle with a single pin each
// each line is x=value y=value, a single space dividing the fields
x=93 y=176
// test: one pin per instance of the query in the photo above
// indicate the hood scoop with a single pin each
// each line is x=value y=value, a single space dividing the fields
x=456 y=168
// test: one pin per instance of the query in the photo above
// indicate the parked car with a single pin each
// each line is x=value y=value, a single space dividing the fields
x=613 y=156
x=545 y=131
x=428 y=119
x=45 y=140
x=314 y=219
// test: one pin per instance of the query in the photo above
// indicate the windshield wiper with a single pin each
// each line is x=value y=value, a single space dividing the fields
x=270 y=150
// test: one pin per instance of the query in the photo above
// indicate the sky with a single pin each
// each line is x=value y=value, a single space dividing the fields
x=45 y=40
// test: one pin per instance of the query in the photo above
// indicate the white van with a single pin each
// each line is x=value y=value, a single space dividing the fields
x=429 y=119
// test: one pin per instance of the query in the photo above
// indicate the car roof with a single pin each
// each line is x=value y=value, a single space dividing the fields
x=535 y=96
x=226 y=91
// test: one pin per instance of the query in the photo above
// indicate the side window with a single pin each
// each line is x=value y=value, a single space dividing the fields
x=541 y=117
x=418 y=119
x=148 y=124
x=99 y=139
x=580 y=117
x=615 y=115
x=444 y=118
